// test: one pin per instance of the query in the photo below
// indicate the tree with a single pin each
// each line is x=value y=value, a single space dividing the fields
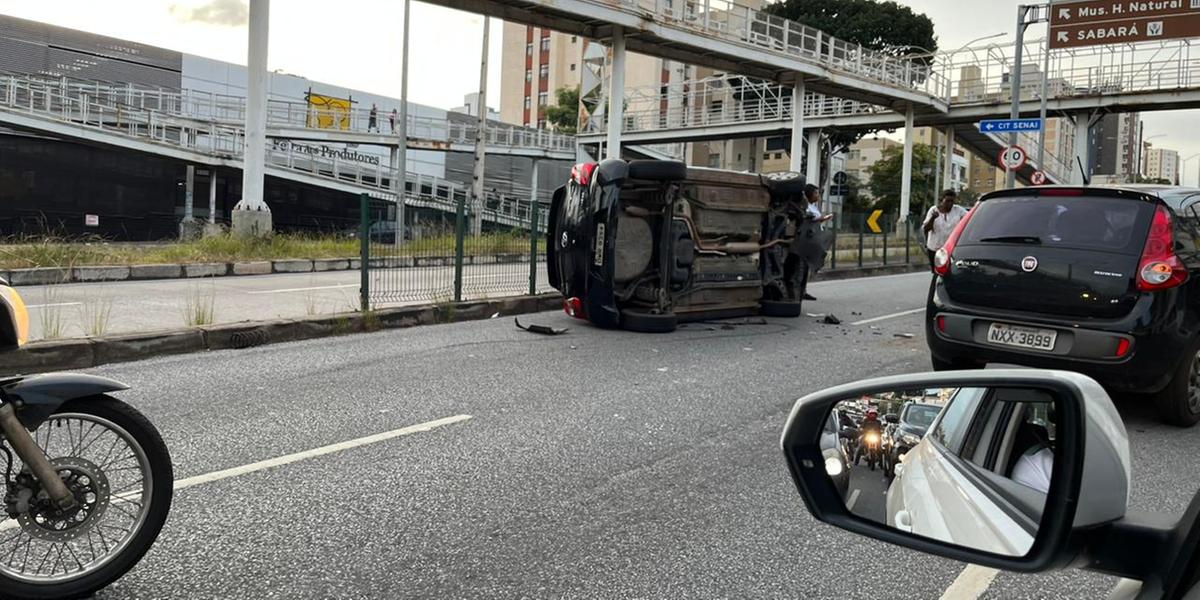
x=885 y=180
x=564 y=114
x=880 y=25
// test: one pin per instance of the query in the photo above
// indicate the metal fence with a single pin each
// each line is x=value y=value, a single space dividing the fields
x=436 y=259
x=854 y=245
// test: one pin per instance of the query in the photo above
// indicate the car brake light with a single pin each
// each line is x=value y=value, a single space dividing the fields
x=582 y=173
x=941 y=323
x=1060 y=192
x=574 y=307
x=1123 y=347
x=941 y=259
x=1160 y=268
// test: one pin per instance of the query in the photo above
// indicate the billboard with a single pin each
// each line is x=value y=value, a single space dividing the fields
x=328 y=112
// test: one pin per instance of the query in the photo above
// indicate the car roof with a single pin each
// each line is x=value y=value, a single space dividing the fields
x=1173 y=196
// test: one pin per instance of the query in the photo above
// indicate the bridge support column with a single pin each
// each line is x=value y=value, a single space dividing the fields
x=796 y=163
x=906 y=170
x=948 y=166
x=251 y=216
x=616 y=94
x=1083 y=147
x=813 y=173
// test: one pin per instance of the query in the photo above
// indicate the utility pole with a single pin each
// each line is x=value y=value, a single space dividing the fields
x=400 y=167
x=480 y=139
x=1026 y=15
x=250 y=215
x=1041 y=151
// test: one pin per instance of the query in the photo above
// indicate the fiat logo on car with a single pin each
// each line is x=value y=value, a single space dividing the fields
x=1029 y=264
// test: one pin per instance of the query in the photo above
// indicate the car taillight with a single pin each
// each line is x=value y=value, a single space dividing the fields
x=941 y=259
x=1123 y=347
x=574 y=308
x=941 y=323
x=1160 y=268
x=582 y=173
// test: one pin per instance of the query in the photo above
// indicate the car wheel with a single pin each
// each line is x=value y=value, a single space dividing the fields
x=1179 y=402
x=788 y=183
x=644 y=322
x=779 y=308
x=657 y=170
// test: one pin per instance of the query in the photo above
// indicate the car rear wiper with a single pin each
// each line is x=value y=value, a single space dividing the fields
x=1014 y=239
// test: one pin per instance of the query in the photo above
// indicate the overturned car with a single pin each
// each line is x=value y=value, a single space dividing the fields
x=643 y=245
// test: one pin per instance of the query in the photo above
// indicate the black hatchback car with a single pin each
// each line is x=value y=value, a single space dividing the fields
x=1089 y=279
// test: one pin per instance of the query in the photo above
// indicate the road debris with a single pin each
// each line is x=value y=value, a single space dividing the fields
x=542 y=329
x=832 y=320
x=906 y=336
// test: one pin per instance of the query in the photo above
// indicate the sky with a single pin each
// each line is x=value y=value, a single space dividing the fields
x=356 y=43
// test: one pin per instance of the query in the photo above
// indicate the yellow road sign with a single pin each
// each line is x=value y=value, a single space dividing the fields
x=873 y=221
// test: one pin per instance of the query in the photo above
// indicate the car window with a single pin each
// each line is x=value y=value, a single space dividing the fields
x=951 y=428
x=921 y=415
x=1098 y=223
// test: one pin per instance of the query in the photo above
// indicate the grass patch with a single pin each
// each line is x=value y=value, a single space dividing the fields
x=50 y=315
x=95 y=316
x=199 y=307
x=52 y=251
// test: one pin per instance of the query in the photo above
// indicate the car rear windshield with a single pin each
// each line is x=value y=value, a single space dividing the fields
x=1088 y=222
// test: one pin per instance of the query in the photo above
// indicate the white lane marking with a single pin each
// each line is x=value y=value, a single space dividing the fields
x=271 y=463
x=970 y=584
x=891 y=316
x=53 y=304
x=852 y=499
x=305 y=289
x=315 y=452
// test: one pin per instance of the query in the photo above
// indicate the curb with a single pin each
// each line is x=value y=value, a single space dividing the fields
x=856 y=273
x=106 y=273
x=84 y=353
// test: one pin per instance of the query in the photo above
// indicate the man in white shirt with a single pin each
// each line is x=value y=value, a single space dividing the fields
x=941 y=219
x=1035 y=468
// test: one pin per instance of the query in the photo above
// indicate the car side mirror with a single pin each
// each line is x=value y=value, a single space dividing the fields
x=891 y=418
x=1018 y=471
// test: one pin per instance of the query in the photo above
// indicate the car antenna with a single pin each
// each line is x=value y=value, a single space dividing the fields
x=1083 y=171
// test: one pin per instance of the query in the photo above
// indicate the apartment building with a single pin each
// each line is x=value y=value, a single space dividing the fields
x=1161 y=163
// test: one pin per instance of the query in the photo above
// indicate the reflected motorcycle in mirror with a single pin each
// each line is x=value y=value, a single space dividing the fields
x=88 y=479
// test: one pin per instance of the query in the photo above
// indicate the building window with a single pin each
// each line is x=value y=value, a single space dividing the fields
x=526 y=102
x=573 y=38
x=714 y=161
x=544 y=71
x=572 y=66
x=529 y=49
x=545 y=44
x=541 y=123
x=766 y=156
x=528 y=75
x=542 y=98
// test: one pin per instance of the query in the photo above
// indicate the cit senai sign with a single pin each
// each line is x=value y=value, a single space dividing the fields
x=1097 y=22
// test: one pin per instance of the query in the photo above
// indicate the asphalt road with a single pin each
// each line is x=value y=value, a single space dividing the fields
x=596 y=464
x=73 y=309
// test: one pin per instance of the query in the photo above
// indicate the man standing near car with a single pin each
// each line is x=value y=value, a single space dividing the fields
x=805 y=253
x=941 y=219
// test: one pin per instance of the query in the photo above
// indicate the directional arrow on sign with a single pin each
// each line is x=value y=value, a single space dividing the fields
x=1063 y=37
x=873 y=221
x=990 y=126
x=1064 y=14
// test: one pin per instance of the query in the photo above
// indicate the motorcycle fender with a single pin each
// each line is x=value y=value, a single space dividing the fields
x=40 y=395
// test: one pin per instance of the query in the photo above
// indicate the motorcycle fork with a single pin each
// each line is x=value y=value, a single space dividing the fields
x=32 y=456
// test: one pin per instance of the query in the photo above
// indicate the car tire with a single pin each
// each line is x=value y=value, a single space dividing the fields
x=951 y=365
x=1179 y=403
x=657 y=170
x=644 y=322
x=779 y=308
x=787 y=183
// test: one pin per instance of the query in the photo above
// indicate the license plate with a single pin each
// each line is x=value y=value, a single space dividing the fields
x=1021 y=337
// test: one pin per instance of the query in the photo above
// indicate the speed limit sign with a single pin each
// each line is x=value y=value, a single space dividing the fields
x=1038 y=178
x=1012 y=158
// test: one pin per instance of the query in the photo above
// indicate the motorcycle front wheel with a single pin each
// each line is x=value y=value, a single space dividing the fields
x=115 y=462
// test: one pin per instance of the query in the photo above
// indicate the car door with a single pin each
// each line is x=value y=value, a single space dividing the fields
x=956 y=485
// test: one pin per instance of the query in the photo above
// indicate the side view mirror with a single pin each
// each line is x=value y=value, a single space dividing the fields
x=1022 y=470
x=891 y=418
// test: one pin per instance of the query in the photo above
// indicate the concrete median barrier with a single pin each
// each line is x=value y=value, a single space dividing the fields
x=114 y=273
x=155 y=271
x=82 y=353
